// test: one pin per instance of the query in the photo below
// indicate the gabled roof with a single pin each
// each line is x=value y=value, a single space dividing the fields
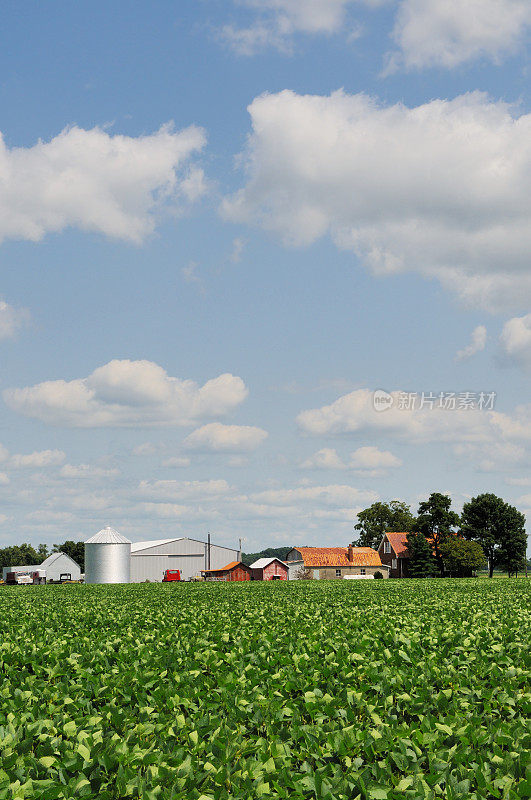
x=54 y=556
x=228 y=567
x=338 y=557
x=398 y=542
x=262 y=563
x=137 y=546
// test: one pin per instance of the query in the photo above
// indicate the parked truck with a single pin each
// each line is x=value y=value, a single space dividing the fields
x=171 y=575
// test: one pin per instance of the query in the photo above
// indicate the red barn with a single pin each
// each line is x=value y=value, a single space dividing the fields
x=269 y=569
x=235 y=571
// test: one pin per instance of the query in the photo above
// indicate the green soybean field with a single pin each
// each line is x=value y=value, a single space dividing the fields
x=331 y=690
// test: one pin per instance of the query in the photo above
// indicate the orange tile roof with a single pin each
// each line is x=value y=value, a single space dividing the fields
x=399 y=543
x=228 y=567
x=338 y=557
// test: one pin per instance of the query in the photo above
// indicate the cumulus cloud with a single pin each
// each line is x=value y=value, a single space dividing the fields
x=40 y=458
x=180 y=491
x=442 y=189
x=276 y=22
x=95 y=181
x=447 y=33
x=368 y=461
x=127 y=393
x=515 y=340
x=424 y=422
x=11 y=319
x=218 y=438
x=477 y=343
x=333 y=495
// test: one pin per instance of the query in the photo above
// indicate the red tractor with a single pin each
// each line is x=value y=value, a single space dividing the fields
x=171 y=575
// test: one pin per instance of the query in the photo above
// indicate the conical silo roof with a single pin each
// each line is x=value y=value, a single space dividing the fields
x=108 y=536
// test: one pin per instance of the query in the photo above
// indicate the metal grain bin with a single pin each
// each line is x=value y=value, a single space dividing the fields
x=107 y=558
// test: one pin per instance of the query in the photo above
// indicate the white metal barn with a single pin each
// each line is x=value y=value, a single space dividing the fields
x=149 y=560
x=55 y=565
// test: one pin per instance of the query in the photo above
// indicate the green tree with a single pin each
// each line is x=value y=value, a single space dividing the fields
x=20 y=555
x=382 y=518
x=76 y=551
x=437 y=522
x=421 y=563
x=462 y=558
x=500 y=530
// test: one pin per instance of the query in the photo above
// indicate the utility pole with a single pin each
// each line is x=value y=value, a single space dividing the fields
x=208 y=551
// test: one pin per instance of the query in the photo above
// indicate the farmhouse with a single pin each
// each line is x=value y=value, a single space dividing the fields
x=334 y=562
x=269 y=569
x=394 y=553
x=235 y=571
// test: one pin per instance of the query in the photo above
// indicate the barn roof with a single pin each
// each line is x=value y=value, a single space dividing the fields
x=398 y=542
x=137 y=546
x=338 y=557
x=227 y=567
x=262 y=563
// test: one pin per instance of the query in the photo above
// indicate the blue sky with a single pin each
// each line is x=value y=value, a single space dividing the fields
x=223 y=226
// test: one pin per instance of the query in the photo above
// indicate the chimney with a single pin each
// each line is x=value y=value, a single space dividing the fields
x=350 y=553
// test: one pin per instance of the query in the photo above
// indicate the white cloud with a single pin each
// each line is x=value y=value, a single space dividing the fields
x=441 y=189
x=492 y=456
x=277 y=21
x=11 y=319
x=127 y=393
x=373 y=460
x=40 y=458
x=146 y=449
x=515 y=340
x=477 y=343
x=218 y=438
x=333 y=495
x=238 y=245
x=446 y=33
x=354 y=413
x=4 y=479
x=368 y=461
x=326 y=458
x=90 y=179
x=176 y=461
x=74 y=471
x=180 y=491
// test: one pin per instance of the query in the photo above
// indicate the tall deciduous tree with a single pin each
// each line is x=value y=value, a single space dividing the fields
x=461 y=557
x=382 y=518
x=421 y=563
x=437 y=522
x=500 y=530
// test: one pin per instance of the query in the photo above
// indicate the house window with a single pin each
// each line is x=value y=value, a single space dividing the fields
x=387 y=547
x=394 y=563
x=362 y=571
x=338 y=573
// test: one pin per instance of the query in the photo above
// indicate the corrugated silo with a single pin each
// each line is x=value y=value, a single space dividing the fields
x=107 y=558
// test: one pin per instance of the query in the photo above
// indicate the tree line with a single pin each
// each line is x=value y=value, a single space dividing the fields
x=19 y=555
x=489 y=531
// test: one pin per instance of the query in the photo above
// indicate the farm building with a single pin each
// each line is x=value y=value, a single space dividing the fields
x=150 y=560
x=393 y=552
x=51 y=568
x=235 y=571
x=334 y=562
x=269 y=569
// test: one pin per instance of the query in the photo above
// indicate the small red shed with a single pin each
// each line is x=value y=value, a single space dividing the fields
x=269 y=569
x=235 y=571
